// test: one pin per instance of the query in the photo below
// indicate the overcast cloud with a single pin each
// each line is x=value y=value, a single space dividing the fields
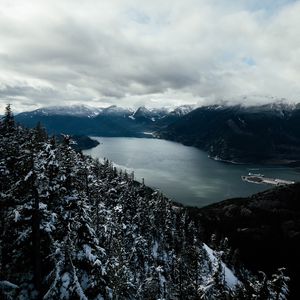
x=140 y=52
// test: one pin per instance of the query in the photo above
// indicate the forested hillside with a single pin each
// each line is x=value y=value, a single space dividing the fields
x=76 y=228
x=255 y=134
x=265 y=228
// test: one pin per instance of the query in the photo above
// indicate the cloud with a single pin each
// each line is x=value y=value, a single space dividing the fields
x=134 y=52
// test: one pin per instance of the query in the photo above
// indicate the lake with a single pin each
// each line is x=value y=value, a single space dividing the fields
x=184 y=174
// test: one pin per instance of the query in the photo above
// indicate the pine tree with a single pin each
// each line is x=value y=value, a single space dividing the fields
x=75 y=228
x=8 y=122
x=279 y=285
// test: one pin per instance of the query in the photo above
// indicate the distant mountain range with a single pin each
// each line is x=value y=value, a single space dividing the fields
x=110 y=121
x=73 y=110
x=267 y=133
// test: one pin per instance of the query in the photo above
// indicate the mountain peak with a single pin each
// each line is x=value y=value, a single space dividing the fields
x=116 y=110
x=183 y=109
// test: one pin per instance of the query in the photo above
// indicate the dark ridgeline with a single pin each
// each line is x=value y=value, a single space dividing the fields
x=258 y=134
x=75 y=228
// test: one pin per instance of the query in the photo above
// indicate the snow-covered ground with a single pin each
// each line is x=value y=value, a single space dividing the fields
x=230 y=279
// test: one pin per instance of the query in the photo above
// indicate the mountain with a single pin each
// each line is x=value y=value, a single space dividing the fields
x=74 y=120
x=73 y=110
x=109 y=121
x=56 y=124
x=116 y=111
x=149 y=117
x=267 y=133
x=260 y=134
x=261 y=229
x=75 y=228
x=182 y=110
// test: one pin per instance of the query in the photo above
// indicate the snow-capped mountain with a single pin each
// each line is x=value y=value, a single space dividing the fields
x=155 y=114
x=71 y=110
x=147 y=113
x=115 y=110
x=183 y=110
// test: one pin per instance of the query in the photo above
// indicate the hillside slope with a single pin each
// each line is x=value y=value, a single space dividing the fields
x=266 y=133
x=75 y=228
x=264 y=227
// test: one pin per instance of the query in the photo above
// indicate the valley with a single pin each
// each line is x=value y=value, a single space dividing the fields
x=265 y=134
x=149 y=150
x=73 y=227
x=185 y=174
x=172 y=154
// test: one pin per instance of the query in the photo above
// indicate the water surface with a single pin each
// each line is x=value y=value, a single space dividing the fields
x=185 y=174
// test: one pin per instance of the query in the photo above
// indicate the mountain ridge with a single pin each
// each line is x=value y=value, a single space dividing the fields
x=242 y=134
x=109 y=121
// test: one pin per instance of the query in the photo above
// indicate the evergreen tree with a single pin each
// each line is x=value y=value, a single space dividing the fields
x=279 y=285
x=75 y=228
x=8 y=122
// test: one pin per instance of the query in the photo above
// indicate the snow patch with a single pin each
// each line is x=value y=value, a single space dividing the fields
x=7 y=285
x=28 y=176
x=154 y=249
x=64 y=290
x=148 y=133
x=42 y=206
x=230 y=279
x=17 y=215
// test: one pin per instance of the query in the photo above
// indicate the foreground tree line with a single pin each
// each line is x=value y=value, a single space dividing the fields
x=73 y=227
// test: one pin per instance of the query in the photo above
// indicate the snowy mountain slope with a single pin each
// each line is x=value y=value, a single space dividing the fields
x=109 y=121
x=75 y=228
x=147 y=114
x=116 y=111
x=183 y=110
x=230 y=279
x=72 y=110
x=265 y=228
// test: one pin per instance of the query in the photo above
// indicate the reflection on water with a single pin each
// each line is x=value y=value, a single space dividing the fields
x=183 y=173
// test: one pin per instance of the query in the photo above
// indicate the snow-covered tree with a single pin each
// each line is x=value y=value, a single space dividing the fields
x=76 y=228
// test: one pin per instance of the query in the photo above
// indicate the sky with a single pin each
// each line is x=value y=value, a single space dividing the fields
x=153 y=53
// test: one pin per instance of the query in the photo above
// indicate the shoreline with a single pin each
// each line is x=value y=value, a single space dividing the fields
x=288 y=163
